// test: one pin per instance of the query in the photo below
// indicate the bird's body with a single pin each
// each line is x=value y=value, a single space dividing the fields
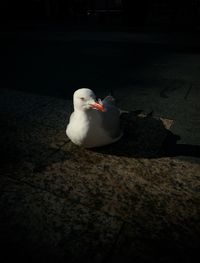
x=93 y=124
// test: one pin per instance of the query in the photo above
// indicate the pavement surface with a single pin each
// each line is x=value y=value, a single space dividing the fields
x=134 y=201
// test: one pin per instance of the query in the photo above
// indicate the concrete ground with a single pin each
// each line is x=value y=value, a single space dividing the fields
x=133 y=201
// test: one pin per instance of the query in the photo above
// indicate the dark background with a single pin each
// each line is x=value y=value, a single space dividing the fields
x=169 y=14
x=50 y=46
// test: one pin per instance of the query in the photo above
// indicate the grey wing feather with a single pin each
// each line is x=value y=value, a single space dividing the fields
x=109 y=100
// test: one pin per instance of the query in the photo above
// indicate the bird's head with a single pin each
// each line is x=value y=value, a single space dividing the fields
x=85 y=99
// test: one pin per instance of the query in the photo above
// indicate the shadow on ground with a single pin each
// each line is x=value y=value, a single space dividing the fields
x=144 y=137
x=147 y=137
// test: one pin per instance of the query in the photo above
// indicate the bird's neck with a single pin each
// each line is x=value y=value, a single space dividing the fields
x=80 y=113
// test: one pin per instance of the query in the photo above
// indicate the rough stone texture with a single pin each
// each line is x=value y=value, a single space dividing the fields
x=134 y=201
x=31 y=129
x=118 y=184
x=54 y=114
x=43 y=226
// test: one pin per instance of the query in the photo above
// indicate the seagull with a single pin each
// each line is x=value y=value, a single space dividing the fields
x=93 y=123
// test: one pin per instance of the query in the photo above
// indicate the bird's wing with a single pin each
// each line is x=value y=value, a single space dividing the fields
x=109 y=100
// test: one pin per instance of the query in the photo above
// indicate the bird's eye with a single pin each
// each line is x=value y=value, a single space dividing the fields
x=82 y=98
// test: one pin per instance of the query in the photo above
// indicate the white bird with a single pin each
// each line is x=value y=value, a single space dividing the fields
x=93 y=123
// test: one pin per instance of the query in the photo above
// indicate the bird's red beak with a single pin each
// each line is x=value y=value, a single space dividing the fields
x=98 y=106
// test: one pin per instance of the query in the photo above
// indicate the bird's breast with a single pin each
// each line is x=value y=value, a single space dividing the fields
x=86 y=130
